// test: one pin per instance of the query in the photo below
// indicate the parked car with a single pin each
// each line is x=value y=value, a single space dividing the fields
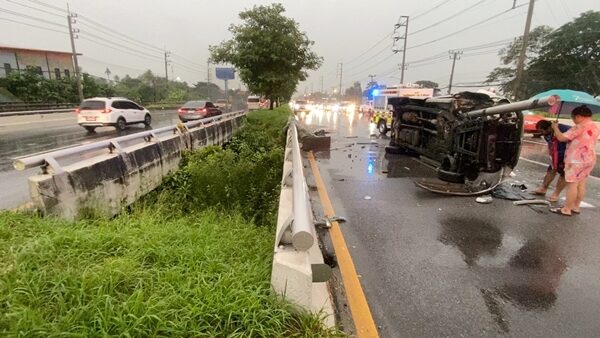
x=222 y=104
x=195 y=110
x=111 y=111
x=530 y=119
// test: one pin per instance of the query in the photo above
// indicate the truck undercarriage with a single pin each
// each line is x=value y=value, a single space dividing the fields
x=471 y=139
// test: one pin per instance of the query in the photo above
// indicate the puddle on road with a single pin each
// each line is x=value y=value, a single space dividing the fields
x=523 y=273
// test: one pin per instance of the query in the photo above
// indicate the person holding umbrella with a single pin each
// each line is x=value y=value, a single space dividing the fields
x=580 y=157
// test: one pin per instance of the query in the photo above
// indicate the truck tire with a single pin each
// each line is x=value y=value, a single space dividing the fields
x=382 y=126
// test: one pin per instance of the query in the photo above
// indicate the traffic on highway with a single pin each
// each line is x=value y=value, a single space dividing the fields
x=300 y=168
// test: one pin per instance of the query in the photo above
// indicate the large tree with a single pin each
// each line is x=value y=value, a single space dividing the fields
x=505 y=74
x=269 y=51
x=570 y=58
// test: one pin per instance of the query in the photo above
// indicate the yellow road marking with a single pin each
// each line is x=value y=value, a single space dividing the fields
x=359 y=308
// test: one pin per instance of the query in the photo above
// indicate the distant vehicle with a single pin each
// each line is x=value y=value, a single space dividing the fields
x=254 y=103
x=530 y=121
x=111 y=111
x=301 y=106
x=195 y=110
x=222 y=104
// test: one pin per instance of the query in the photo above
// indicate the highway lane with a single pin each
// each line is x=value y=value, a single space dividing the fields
x=23 y=135
x=432 y=265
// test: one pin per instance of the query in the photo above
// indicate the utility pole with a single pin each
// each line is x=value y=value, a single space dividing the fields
x=321 y=83
x=402 y=22
x=372 y=76
x=167 y=54
x=341 y=70
x=71 y=20
x=107 y=72
x=521 y=61
x=208 y=79
x=454 y=55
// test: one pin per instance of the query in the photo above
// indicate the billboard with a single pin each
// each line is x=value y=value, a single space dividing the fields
x=225 y=73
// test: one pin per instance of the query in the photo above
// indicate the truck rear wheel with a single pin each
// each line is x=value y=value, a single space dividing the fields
x=382 y=126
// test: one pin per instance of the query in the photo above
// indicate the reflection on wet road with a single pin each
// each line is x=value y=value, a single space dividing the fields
x=433 y=265
x=18 y=138
x=24 y=135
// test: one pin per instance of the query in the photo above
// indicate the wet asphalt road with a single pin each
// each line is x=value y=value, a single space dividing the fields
x=434 y=266
x=23 y=135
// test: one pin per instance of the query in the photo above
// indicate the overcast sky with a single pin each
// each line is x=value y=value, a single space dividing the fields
x=345 y=31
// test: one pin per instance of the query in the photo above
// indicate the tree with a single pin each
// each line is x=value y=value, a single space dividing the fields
x=269 y=51
x=570 y=58
x=427 y=84
x=354 y=92
x=509 y=56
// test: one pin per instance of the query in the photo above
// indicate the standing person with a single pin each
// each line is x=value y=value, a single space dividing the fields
x=556 y=149
x=580 y=157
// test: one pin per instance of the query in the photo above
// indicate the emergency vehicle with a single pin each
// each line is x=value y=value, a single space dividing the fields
x=382 y=113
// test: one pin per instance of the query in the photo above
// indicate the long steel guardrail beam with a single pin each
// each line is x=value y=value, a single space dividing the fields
x=50 y=158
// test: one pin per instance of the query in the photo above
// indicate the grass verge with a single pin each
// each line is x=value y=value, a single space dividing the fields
x=167 y=267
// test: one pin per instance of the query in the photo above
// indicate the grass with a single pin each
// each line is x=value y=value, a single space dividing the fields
x=163 y=268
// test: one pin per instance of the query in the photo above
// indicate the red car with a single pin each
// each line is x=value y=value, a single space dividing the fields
x=195 y=110
x=530 y=120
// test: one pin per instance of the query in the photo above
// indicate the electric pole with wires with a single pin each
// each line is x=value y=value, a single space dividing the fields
x=521 y=61
x=454 y=55
x=402 y=22
x=340 y=73
x=167 y=61
x=72 y=34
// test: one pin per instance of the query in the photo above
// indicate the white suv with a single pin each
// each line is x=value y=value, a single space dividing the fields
x=111 y=111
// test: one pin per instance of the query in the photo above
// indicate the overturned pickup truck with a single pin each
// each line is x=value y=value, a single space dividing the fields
x=472 y=139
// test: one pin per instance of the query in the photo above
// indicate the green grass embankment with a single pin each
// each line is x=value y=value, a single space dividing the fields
x=191 y=259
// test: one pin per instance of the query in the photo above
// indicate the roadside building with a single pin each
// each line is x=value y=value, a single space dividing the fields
x=50 y=64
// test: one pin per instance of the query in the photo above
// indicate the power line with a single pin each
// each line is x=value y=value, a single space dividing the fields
x=84 y=32
x=117 y=49
x=41 y=3
x=35 y=8
x=466 y=28
x=427 y=11
x=371 y=48
x=119 y=34
x=462 y=11
x=32 y=25
x=371 y=59
x=32 y=17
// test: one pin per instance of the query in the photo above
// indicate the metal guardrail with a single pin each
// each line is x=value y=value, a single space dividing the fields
x=300 y=224
x=50 y=159
x=26 y=106
x=35 y=112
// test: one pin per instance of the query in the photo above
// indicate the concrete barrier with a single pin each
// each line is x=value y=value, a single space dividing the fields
x=299 y=273
x=108 y=182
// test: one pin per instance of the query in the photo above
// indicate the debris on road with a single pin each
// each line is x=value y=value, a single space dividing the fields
x=530 y=202
x=484 y=199
x=367 y=197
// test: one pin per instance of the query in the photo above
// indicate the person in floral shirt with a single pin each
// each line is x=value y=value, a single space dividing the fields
x=580 y=157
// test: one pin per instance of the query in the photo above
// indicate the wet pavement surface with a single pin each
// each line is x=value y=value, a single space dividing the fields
x=24 y=135
x=434 y=265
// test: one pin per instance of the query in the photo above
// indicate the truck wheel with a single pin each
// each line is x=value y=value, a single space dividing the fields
x=382 y=126
x=90 y=129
